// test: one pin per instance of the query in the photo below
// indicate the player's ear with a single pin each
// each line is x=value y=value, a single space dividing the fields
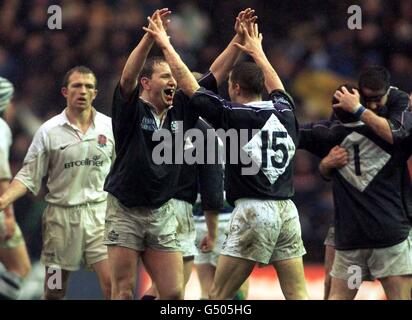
x=144 y=81
x=64 y=91
x=237 y=88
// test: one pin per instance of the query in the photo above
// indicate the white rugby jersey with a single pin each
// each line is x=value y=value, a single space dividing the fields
x=5 y=143
x=76 y=164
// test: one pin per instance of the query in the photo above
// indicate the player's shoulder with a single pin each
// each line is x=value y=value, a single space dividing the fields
x=101 y=117
x=52 y=123
x=396 y=93
x=103 y=121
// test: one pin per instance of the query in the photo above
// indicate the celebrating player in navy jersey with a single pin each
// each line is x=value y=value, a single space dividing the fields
x=265 y=225
x=382 y=107
x=141 y=218
x=208 y=180
x=371 y=225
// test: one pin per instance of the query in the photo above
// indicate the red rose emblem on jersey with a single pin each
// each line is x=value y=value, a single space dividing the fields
x=101 y=140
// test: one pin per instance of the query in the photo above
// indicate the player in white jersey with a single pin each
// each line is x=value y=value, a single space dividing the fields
x=14 y=259
x=75 y=150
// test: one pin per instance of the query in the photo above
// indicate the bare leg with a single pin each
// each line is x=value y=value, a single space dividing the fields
x=166 y=270
x=397 y=287
x=123 y=271
x=205 y=273
x=231 y=272
x=329 y=257
x=102 y=270
x=16 y=260
x=292 y=278
x=340 y=290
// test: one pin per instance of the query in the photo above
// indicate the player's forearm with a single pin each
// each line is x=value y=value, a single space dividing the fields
x=13 y=192
x=272 y=80
x=212 y=222
x=325 y=170
x=379 y=125
x=134 y=65
x=224 y=63
x=180 y=71
x=8 y=211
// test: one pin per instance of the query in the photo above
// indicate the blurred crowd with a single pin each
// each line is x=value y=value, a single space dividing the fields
x=308 y=42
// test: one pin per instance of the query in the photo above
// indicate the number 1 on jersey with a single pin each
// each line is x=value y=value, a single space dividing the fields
x=356 y=158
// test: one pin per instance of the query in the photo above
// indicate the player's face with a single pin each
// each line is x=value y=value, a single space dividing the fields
x=374 y=100
x=80 y=91
x=162 y=85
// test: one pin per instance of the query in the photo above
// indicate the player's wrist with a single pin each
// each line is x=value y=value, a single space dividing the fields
x=358 y=111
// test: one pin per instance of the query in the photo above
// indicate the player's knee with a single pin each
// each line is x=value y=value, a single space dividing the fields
x=215 y=293
x=298 y=295
x=176 y=293
x=122 y=291
x=124 y=295
x=296 y=292
x=173 y=295
x=107 y=289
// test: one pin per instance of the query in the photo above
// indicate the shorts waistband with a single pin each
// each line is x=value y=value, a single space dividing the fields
x=78 y=206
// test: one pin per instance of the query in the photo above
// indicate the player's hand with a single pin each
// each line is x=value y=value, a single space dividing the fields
x=247 y=18
x=9 y=226
x=347 y=101
x=156 y=29
x=253 y=40
x=336 y=158
x=207 y=244
x=163 y=15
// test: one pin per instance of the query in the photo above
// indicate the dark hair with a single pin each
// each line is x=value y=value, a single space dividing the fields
x=374 y=78
x=339 y=113
x=79 y=69
x=249 y=77
x=148 y=67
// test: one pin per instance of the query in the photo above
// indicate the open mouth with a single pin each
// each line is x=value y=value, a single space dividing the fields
x=169 y=93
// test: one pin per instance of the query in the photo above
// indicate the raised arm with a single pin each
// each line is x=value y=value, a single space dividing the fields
x=180 y=71
x=253 y=47
x=228 y=58
x=351 y=102
x=137 y=59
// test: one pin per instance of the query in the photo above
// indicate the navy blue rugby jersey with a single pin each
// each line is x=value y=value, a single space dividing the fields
x=394 y=110
x=207 y=178
x=369 y=191
x=259 y=163
x=135 y=179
